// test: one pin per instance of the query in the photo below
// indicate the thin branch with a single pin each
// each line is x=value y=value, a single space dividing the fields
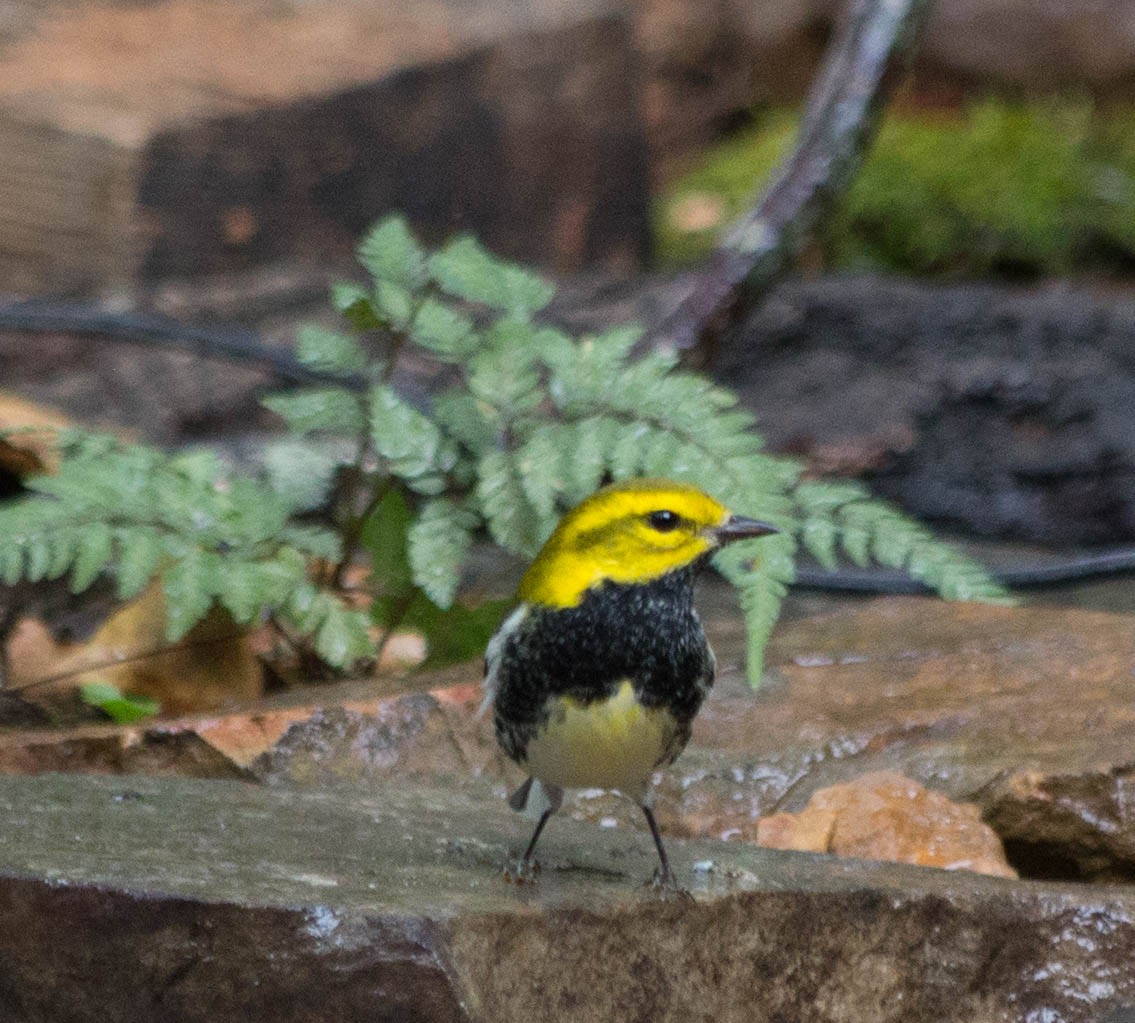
x=860 y=68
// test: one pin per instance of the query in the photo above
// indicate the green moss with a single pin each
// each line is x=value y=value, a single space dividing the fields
x=997 y=188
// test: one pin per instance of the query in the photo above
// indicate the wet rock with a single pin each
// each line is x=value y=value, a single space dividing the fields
x=146 y=898
x=1025 y=712
x=884 y=816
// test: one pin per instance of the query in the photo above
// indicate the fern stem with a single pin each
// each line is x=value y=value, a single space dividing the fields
x=353 y=531
x=396 y=618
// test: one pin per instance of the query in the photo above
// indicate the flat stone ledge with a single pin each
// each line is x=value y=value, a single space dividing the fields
x=143 y=898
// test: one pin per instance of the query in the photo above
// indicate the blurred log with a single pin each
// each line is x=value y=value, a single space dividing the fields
x=871 y=48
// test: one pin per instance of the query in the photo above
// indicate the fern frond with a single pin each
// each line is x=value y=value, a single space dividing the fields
x=467 y=271
x=869 y=529
x=409 y=440
x=437 y=543
x=390 y=252
x=318 y=409
x=761 y=573
x=328 y=351
x=513 y=521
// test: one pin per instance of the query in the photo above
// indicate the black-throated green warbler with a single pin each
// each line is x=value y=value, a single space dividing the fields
x=595 y=679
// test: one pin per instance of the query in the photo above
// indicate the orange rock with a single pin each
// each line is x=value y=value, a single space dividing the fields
x=886 y=816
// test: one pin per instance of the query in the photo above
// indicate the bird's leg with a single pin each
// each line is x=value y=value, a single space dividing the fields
x=527 y=869
x=663 y=877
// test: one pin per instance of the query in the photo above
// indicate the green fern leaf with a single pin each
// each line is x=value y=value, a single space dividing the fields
x=393 y=305
x=11 y=563
x=513 y=521
x=437 y=544
x=354 y=302
x=328 y=351
x=626 y=451
x=64 y=543
x=343 y=635
x=505 y=378
x=318 y=409
x=93 y=552
x=301 y=472
x=314 y=541
x=246 y=588
x=761 y=570
x=444 y=331
x=189 y=583
x=539 y=463
x=37 y=554
x=411 y=443
x=587 y=455
x=141 y=550
x=820 y=536
x=466 y=270
x=390 y=252
x=473 y=423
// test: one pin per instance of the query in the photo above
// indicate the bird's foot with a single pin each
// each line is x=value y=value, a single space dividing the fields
x=522 y=871
x=664 y=886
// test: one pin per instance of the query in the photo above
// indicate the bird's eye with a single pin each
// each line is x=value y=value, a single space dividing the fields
x=664 y=521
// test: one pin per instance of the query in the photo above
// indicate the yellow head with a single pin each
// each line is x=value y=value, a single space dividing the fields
x=630 y=532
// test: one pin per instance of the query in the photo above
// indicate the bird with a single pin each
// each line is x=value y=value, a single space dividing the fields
x=595 y=678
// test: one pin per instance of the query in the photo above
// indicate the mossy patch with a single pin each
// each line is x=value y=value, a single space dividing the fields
x=996 y=188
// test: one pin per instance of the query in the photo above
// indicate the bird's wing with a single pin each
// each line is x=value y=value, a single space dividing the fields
x=493 y=653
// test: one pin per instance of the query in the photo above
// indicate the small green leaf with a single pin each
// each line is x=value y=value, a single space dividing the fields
x=346 y=294
x=410 y=442
x=189 y=584
x=466 y=270
x=472 y=422
x=329 y=351
x=540 y=465
x=93 y=554
x=248 y=587
x=354 y=302
x=443 y=330
x=393 y=304
x=302 y=472
x=512 y=520
x=64 y=546
x=119 y=708
x=437 y=543
x=819 y=535
x=505 y=379
x=11 y=564
x=343 y=637
x=38 y=554
x=312 y=409
x=390 y=252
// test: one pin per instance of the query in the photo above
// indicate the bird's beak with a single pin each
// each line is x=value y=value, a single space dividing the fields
x=737 y=527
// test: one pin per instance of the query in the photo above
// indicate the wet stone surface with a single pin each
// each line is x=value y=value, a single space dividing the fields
x=1027 y=713
x=353 y=843
x=133 y=898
